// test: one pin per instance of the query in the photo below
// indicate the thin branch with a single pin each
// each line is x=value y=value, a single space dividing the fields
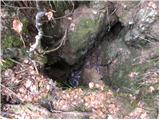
x=147 y=40
x=61 y=43
x=21 y=38
x=35 y=66
x=5 y=5
x=39 y=23
x=16 y=62
x=10 y=91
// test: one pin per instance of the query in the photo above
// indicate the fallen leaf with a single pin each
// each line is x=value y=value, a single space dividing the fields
x=17 y=25
x=97 y=85
x=91 y=85
x=2 y=61
x=28 y=83
x=110 y=117
x=133 y=74
x=69 y=18
x=49 y=15
x=151 y=89
x=109 y=93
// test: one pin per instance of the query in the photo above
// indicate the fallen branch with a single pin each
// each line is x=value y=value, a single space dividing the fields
x=16 y=62
x=40 y=14
x=38 y=37
x=11 y=92
x=21 y=38
x=61 y=43
x=35 y=66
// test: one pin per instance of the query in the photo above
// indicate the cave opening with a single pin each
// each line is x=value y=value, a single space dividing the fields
x=67 y=75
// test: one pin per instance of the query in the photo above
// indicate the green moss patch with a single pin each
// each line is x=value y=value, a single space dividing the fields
x=25 y=26
x=8 y=64
x=10 y=41
x=79 y=38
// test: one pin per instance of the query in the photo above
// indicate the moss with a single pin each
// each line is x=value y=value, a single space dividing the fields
x=16 y=109
x=25 y=26
x=83 y=31
x=10 y=41
x=7 y=64
x=29 y=106
x=124 y=97
x=60 y=6
x=151 y=99
x=123 y=18
x=44 y=59
x=127 y=86
x=81 y=108
x=141 y=68
x=121 y=77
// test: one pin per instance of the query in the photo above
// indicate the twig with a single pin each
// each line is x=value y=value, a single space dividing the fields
x=108 y=19
x=16 y=62
x=35 y=45
x=48 y=36
x=35 y=66
x=21 y=38
x=17 y=7
x=21 y=71
x=39 y=23
x=113 y=11
x=12 y=92
x=65 y=34
x=67 y=14
x=61 y=43
x=5 y=5
x=147 y=40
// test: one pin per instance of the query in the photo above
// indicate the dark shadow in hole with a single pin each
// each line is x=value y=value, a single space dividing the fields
x=59 y=72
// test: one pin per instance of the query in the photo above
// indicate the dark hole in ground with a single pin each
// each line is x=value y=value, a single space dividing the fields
x=117 y=28
x=70 y=76
x=59 y=72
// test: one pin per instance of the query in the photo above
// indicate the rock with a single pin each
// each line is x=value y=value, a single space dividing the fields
x=125 y=10
x=130 y=70
x=88 y=24
x=130 y=61
x=142 y=20
x=90 y=75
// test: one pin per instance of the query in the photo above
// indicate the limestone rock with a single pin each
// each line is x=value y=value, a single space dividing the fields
x=88 y=25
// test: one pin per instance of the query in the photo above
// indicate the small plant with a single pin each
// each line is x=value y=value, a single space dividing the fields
x=7 y=64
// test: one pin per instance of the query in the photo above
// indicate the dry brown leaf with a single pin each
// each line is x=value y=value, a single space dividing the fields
x=133 y=74
x=17 y=25
x=91 y=85
x=2 y=61
x=69 y=18
x=49 y=15
x=110 y=93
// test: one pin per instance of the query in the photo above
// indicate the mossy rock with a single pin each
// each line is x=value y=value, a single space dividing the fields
x=60 y=6
x=81 y=37
x=130 y=69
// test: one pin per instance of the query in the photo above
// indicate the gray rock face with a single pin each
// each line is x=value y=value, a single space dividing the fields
x=133 y=56
x=129 y=62
x=88 y=24
x=142 y=20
